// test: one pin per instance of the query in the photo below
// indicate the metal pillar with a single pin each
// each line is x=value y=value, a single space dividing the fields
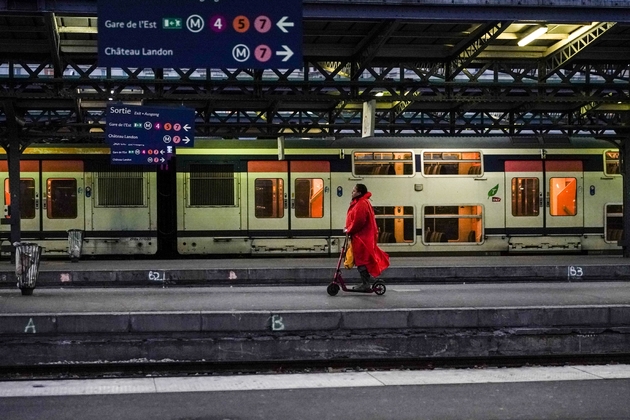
x=15 y=187
x=13 y=148
x=624 y=155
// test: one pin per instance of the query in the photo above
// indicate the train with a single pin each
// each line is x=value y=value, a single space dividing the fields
x=431 y=195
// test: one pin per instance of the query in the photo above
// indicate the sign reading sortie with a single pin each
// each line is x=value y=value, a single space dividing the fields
x=147 y=135
x=261 y=34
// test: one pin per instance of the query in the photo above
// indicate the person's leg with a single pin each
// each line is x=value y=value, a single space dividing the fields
x=366 y=279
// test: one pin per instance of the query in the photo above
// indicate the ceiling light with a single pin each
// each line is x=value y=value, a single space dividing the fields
x=579 y=31
x=534 y=34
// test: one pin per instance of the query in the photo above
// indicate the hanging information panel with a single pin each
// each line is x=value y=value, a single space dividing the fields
x=147 y=135
x=187 y=33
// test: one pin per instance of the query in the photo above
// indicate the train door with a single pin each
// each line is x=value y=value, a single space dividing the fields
x=268 y=192
x=310 y=196
x=63 y=205
x=545 y=196
x=289 y=196
x=29 y=195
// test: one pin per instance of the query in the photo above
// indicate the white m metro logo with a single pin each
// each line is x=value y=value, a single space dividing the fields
x=195 y=23
x=241 y=53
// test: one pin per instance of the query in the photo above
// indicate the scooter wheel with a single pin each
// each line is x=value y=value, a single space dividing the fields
x=332 y=289
x=379 y=288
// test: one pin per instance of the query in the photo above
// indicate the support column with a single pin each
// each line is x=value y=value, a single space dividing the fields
x=13 y=149
x=624 y=155
x=15 y=188
x=369 y=118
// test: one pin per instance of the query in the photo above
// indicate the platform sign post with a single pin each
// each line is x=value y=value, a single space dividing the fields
x=253 y=34
x=147 y=135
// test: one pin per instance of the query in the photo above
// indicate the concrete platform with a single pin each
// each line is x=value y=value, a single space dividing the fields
x=279 y=323
x=318 y=271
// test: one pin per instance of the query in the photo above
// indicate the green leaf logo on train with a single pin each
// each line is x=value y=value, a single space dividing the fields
x=493 y=191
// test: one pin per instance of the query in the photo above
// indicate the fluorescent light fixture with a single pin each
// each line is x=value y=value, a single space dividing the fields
x=580 y=31
x=532 y=35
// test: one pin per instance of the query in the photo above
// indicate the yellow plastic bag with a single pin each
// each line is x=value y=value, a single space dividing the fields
x=349 y=261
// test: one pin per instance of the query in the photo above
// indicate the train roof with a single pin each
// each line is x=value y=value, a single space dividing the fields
x=455 y=142
x=413 y=142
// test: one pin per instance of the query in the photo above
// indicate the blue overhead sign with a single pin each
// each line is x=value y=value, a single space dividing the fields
x=193 y=33
x=147 y=135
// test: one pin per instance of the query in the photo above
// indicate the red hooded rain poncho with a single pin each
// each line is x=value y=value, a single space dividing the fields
x=361 y=226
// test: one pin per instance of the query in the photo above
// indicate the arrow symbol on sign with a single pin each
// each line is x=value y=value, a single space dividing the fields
x=287 y=52
x=162 y=160
x=186 y=127
x=186 y=140
x=283 y=24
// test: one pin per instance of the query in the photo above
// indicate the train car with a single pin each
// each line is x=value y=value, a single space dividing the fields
x=430 y=194
x=64 y=188
x=442 y=195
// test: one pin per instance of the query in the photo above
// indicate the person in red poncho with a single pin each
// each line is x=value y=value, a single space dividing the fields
x=370 y=260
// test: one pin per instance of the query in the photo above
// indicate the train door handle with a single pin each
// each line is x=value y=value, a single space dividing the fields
x=36 y=201
x=548 y=199
x=286 y=201
x=293 y=203
x=540 y=200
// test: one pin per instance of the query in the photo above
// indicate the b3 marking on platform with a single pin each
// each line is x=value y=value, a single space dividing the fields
x=574 y=271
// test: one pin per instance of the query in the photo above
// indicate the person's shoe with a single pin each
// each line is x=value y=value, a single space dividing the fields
x=364 y=287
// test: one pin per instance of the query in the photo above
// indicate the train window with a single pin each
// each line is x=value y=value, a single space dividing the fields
x=212 y=185
x=61 y=198
x=309 y=198
x=269 y=198
x=383 y=163
x=453 y=224
x=452 y=163
x=119 y=189
x=525 y=197
x=614 y=222
x=611 y=163
x=395 y=224
x=27 y=197
x=562 y=196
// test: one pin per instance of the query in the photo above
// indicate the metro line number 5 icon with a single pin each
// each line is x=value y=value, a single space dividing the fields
x=240 y=24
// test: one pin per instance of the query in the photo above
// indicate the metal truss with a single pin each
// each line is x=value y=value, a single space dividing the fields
x=557 y=57
x=323 y=100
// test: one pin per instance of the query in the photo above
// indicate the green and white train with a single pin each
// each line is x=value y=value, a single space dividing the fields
x=289 y=197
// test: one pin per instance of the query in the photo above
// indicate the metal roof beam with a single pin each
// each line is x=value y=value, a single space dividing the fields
x=453 y=10
x=53 y=37
x=560 y=56
x=467 y=10
x=468 y=49
x=371 y=44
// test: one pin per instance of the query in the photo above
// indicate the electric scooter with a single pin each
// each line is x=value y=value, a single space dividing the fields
x=377 y=287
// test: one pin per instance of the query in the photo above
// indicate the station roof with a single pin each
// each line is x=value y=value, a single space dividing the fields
x=443 y=67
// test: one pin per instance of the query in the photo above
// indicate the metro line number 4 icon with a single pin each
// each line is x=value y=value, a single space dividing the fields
x=232 y=34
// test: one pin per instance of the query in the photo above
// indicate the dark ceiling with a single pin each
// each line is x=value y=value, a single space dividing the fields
x=451 y=68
